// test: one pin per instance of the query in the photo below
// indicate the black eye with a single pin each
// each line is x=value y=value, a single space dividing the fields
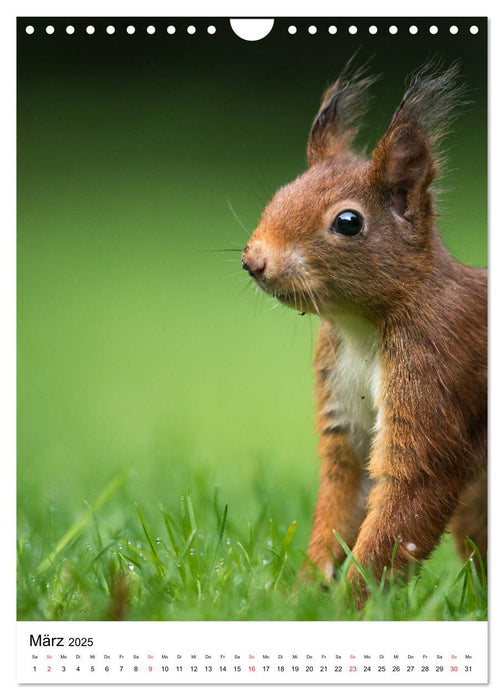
x=347 y=223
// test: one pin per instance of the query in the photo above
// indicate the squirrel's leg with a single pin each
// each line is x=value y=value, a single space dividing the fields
x=470 y=519
x=341 y=501
x=406 y=517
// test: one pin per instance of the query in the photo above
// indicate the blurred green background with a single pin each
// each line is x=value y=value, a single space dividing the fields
x=139 y=348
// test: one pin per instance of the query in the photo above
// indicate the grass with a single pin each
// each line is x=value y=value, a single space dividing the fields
x=195 y=557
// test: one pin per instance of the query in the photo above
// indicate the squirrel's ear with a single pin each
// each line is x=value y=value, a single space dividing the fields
x=343 y=106
x=403 y=168
x=407 y=159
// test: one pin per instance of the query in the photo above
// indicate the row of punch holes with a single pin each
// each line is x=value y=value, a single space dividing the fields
x=292 y=29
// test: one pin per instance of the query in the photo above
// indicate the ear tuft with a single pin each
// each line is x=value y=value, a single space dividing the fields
x=431 y=103
x=343 y=106
x=407 y=158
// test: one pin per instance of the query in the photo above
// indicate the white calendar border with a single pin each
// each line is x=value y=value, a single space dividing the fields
x=259 y=652
x=325 y=8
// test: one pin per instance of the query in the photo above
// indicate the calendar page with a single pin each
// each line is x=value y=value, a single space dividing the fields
x=251 y=318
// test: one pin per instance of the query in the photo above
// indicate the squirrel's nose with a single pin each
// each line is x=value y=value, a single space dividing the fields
x=254 y=262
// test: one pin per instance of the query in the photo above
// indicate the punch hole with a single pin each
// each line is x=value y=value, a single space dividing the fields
x=433 y=29
x=474 y=29
x=393 y=29
x=191 y=29
x=413 y=29
x=130 y=29
x=30 y=29
x=49 y=29
x=211 y=29
x=252 y=29
x=312 y=29
x=110 y=29
x=151 y=29
x=332 y=29
x=171 y=29
x=453 y=29
x=70 y=29
x=292 y=29
x=373 y=29
x=90 y=29
x=352 y=29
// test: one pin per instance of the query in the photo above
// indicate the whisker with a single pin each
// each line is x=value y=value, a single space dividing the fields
x=263 y=181
x=311 y=339
x=310 y=294
x=237 y=218
x=295 y=297
x=304 y=287
x=221 y=250
x=313 y=293
x=312 y=297
x=249 y=282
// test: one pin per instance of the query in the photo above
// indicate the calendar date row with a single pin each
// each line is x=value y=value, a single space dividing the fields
x=289 y=669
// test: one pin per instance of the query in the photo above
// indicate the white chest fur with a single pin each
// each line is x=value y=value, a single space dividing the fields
x=355 y=381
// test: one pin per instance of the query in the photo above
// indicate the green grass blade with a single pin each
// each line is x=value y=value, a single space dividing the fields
x=392 y=570
x=354 y=561
x=152 y=546
x=222 y=526
x=76 y=529
x=190 y=511
x=186 y=546
x=171 y=533
x=482 y=570
x=223 y=523
x=288 y=537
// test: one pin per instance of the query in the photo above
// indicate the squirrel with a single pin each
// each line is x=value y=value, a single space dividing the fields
x=401 y=358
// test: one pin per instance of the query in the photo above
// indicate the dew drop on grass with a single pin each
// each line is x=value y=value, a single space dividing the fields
x=158 y=540
x=228 y=541
x=131 y=567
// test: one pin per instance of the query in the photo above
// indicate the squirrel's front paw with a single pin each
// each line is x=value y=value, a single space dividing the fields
x=360 y=590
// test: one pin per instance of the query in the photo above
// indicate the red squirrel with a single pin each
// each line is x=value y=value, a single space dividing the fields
x=401 y=357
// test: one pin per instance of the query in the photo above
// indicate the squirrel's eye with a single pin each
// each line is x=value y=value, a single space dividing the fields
x=347 y=223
